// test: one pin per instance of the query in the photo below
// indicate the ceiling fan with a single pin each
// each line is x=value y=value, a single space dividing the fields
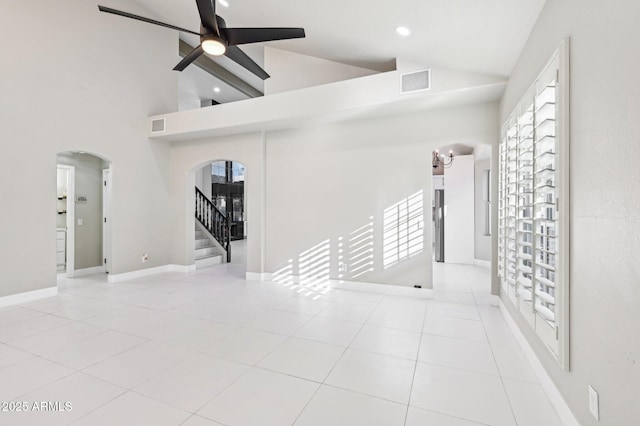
x=216 y=39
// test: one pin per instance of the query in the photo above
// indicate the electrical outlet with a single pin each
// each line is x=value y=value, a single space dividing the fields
x=343 y=267
x=145 y=258
x=593 y=403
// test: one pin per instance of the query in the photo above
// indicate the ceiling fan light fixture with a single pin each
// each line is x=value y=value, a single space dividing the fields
x=214 y=46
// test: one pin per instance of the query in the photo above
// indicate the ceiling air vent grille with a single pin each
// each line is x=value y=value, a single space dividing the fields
x=157 y=126
x=415 y=81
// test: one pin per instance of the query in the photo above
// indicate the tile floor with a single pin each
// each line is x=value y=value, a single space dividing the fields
x=210 y=348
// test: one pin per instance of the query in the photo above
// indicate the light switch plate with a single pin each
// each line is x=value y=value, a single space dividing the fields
x=593 y=403
x=80 y=222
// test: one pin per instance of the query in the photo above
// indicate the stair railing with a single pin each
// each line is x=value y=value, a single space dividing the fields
x=217 y=223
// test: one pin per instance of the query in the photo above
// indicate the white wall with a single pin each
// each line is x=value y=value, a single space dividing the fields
x=482 y=249
x=459 y=236
x=203 y=180
x=325 y=182
x=605 y=199
x=293 y=71
x=88 y=84
x=186 y=159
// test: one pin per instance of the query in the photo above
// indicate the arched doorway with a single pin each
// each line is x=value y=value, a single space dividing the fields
x=461 y=220
x=83 y=236
x=221 y=226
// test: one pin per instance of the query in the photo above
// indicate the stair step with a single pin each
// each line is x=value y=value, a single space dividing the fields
x=210 y=260
x=206 y=251
x=203 y=242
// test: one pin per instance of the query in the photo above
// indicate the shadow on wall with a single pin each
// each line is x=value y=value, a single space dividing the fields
x=357 y=255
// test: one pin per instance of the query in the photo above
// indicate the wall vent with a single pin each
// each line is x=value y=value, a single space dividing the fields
x=415 y=81
x=157 y=126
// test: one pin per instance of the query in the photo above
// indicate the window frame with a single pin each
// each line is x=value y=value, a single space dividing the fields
x=509 y=220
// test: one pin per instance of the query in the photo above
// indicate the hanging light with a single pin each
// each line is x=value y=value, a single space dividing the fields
x=440 y=160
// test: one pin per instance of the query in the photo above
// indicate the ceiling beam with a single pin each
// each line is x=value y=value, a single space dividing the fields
x=220 y=72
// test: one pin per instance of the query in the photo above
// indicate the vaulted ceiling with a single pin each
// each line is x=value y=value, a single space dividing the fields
x=475 y=35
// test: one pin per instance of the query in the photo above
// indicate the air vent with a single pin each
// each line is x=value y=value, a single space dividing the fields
x=157 y=126
x=415 y=81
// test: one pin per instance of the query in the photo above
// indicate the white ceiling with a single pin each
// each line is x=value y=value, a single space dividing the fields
x=475 y=35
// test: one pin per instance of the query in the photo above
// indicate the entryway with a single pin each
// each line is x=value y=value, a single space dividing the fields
x=220 y=212
x=82 y=226
x=461 y=212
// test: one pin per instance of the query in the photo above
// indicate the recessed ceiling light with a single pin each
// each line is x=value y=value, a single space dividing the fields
x=403 y=31
x=216 y=89
x=224 y=3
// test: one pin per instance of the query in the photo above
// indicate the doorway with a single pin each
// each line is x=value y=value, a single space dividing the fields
x=65 y=231
x=83 y=196
x=459 y=210
x=221 y=195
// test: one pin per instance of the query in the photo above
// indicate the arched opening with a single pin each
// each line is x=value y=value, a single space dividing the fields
x=83 y=235
x=461 y=219
x=221 y=226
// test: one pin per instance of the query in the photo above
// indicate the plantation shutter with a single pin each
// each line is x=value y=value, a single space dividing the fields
x=533 y=191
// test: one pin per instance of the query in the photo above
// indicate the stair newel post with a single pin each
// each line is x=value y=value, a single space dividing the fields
x=228 y=237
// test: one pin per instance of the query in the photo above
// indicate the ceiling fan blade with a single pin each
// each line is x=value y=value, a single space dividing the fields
x=237 y=36
x=235 y=54
x=187 y=60
x=143 y=19
x=207 y=11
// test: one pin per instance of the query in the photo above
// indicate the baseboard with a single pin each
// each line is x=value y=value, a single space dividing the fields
x=494 y=300
x=29 y=296
x=258 y=276
x=386 y=289
x=181 y=268
x=141 y=273
x=484 y=263
x=554 y=395
x=88 y=271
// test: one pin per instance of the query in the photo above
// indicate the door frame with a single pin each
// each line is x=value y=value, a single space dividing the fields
x=106 y=219
x=70 y=250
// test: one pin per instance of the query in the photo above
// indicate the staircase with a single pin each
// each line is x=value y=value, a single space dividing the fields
x=213 y=236
x=207 y=252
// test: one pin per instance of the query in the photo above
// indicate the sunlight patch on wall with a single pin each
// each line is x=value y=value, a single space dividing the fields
x=284 y=275
x=314 y=266
x=403 y=233
x=361 y=250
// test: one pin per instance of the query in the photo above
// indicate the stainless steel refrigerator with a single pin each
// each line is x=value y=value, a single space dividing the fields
x=439 y=225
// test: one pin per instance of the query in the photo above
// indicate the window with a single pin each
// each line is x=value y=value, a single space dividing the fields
x=533 y=234
x=219 y=172
x=237 y=172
